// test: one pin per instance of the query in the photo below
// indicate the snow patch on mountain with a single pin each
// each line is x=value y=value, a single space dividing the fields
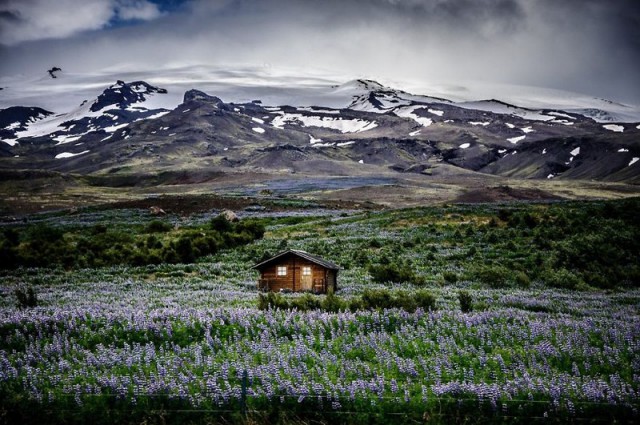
x=313 y=109
x=409 y=112
x=69 y=154
x=334 y=123
x=113 y=128
x=633 y=161
x=614 y=127
x=313 y=140
x=515 y=140
x=62 y=139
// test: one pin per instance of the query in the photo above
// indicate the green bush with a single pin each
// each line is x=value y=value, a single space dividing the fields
x=26 y=298
x=373 y=299
x=184 y=250
x=405 y=301
x=449 y=277
x=306 y=302
x=496 y=276
x=425 y=300
x=158 y=226
x=522 y=279
x=332 y=303
x=391 y=272
x=221 y=224
x=466 y=302
x=563 y=278
x=273 y=301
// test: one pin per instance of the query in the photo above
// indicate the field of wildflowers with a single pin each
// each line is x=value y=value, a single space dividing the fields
x=186 y=343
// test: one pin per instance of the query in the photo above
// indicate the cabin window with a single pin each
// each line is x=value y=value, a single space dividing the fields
x=281 y=271
x=306 y=271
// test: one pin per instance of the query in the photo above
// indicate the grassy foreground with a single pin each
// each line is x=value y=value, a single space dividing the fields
x=550 y=328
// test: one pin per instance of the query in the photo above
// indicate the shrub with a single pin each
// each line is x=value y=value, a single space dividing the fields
x=385 y=273
x=42 y=233
x=405 y=301
x=375 y=243
x=495 y=276
x=449 y=277
x=376 y=299
x=332 y=303
x=272 y=301
x=466 y=302
x=12 y=236
x=158 y=226
x=356 y=304
x=254 y=228
x=221 y=224
x=522 y=279
x=425 y=300
x=306 y=302
x=99 y=229
x=184 y=250
x=263 y=302
x=153 y=242
x=26 y=298
x=563 y=278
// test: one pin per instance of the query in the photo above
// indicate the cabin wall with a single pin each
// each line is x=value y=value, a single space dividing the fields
x=292 y=281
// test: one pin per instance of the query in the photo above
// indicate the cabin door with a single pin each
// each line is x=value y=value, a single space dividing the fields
x=306 y=279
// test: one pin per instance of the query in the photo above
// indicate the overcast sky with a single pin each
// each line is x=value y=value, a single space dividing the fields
x=588 y=46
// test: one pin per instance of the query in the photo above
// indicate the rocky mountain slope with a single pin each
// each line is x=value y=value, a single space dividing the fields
x=360 y=127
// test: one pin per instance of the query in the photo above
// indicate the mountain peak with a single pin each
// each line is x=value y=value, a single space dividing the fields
x=361 y=85
x=370 y=84
x=123 y=95
x=200 y=96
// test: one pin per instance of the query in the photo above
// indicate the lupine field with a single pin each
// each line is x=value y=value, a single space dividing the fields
x=552 y=333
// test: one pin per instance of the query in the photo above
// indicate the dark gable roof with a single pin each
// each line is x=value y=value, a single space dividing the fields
x=303 y=254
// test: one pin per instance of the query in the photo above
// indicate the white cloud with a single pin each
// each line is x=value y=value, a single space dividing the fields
x=579 y=45
x=27 y=20
x=137 y=10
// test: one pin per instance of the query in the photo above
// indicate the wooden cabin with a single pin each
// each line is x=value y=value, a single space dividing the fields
x=297 y=271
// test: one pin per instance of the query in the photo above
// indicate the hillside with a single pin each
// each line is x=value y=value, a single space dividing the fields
x=131 y=135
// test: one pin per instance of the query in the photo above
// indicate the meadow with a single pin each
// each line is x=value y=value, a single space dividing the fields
x=529 y=312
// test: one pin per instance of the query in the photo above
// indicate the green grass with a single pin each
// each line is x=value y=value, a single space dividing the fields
x=509 y=292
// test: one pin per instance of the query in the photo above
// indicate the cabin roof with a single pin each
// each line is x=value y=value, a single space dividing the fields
x=302 y=254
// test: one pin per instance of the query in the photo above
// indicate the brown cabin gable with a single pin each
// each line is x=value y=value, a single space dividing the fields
x=299 y=271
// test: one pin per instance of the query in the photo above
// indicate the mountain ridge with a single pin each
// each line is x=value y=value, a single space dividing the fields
x=373 y=131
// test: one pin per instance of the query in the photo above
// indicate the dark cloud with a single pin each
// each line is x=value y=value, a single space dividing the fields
x=581 y=45
x=44 y=19
x=9 y=16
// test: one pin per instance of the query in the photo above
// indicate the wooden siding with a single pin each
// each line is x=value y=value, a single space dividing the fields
x=293 y=281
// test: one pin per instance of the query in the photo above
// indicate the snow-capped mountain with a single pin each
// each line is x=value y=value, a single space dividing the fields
x=310 y=127
x=117 y=106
